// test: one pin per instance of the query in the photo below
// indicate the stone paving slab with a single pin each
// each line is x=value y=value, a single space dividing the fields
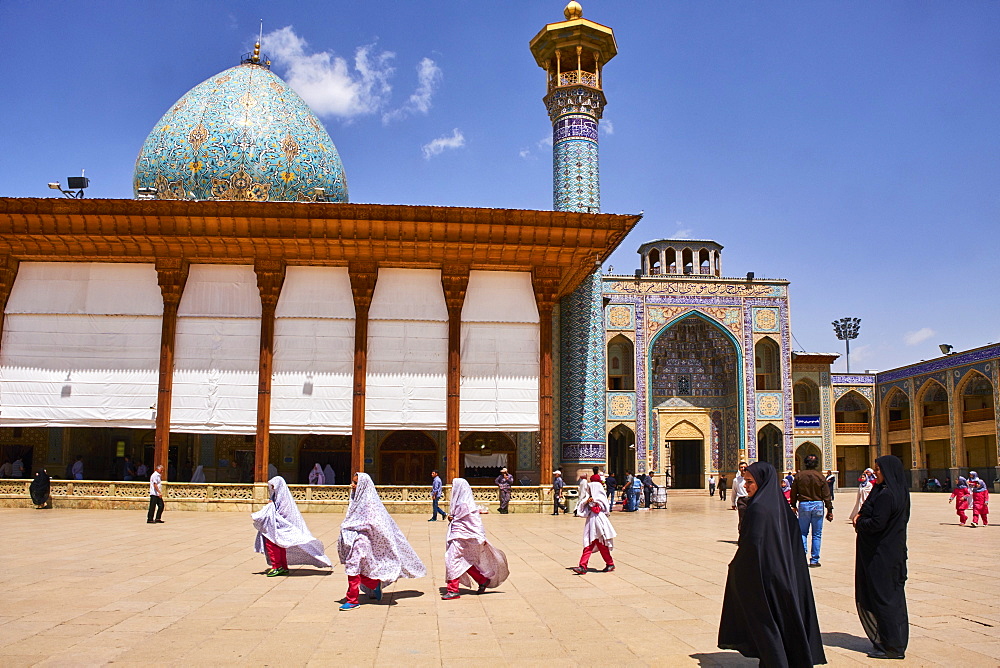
x=97 y=587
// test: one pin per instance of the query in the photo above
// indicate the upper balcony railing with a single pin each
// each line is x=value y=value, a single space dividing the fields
x=978 y=415
x=899 y=425
x=852 y=428
x=575 y=78
x=936 y=420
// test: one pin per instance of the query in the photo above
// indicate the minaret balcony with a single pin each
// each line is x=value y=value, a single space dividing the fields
x=575 y=78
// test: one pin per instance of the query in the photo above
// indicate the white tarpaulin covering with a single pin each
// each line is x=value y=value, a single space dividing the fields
x=81 y=345
x=485 y=461
x=499 y=353
x=217 y=351
x=407 y=351
x=313 y=352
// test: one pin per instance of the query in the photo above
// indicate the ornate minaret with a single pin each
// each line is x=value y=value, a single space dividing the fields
x=573 y=53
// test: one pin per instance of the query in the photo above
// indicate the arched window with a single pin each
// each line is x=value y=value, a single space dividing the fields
x=655 y=267
x=977 y=399
x=767 y=365
x=621 y=354
x=851 y=414
x=805 y=398
x=899 y=410
x=703 y=264
x=688 y=260
x=670 y=261
x=934 y=406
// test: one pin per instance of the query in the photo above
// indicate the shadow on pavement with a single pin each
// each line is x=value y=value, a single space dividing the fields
x=722 y=659
x=847 y=641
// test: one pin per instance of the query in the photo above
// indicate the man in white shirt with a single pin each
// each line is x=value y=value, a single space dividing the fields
x=78 y=468
x=740 y=497
x=155 y=496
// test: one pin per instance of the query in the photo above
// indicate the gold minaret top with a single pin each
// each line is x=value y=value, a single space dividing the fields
x=573 y=11
x=573 y=52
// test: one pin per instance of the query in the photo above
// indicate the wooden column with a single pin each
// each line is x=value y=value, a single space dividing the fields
x=363 y=276
x=8 y=273
x=171 y=273
x=545 y=281
x=455 y=279
x=270 y=277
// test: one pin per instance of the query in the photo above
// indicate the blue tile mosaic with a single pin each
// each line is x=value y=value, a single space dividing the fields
x=243 y=134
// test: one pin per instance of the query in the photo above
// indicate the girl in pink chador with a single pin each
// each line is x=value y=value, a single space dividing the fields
x=374 y=551
x=469 y=556
x=980 y=499
x=961 y=493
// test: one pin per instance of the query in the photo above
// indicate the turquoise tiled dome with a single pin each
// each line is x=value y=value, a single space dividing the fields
x=241 y=135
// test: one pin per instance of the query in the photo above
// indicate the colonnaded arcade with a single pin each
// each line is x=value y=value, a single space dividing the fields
x=240 y=312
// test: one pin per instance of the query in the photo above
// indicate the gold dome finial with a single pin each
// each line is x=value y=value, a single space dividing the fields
x=573 y=11
x=256 y=52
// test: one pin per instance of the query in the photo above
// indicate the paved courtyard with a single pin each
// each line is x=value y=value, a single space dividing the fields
x=91 y=587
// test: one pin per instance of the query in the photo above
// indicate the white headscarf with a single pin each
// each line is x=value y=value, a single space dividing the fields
x=330 y=475
x=467 y=544
x=581 y=498
x=316 y=476
x=371 y=543
x=199 y=474
x=598 y=526
x=281 y=523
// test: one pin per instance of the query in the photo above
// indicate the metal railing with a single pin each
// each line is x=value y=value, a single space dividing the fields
x=853 y=428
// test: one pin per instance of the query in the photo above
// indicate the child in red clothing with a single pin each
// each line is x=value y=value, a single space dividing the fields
x=963 y=496
x=980 y=500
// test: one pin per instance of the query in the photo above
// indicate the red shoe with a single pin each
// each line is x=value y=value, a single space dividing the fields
x=579 y=570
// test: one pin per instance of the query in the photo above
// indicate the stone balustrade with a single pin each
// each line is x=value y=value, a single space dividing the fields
x=119 y=495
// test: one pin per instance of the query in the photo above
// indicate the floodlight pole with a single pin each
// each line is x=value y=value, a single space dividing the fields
x=846 y=330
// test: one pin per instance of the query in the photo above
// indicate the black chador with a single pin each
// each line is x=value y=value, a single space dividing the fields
x=768 y=611
x=880 y=561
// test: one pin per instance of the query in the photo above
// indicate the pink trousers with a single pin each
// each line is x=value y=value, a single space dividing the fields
x=473 y=573
x=276 y=555
x=602 y=548
x=354 y=583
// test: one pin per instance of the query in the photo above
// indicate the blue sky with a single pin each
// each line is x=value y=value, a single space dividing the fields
x=850 y=147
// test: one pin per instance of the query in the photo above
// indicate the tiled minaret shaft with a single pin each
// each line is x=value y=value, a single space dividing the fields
x=573 y=53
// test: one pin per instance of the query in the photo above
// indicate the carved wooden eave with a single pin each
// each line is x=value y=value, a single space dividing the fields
x=50 y=229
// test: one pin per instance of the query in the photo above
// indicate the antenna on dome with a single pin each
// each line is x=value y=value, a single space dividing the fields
x=255 y=57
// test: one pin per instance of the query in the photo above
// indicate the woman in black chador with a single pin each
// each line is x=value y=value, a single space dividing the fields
x=880 y=563
x=768 y=611
x=40 y=488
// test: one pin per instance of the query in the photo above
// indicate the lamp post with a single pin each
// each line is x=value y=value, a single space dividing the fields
x=847 y=329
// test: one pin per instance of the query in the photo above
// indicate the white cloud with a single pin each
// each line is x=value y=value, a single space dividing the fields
x=682 y=232
x=607 y=127
x=525 y=153
x=328 y=83
x=428 y=79
x=437 y=146
x=918 y=336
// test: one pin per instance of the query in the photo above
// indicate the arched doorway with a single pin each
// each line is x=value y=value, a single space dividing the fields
x=621 y=451
x=407 y=458
x=807 y=448
x=686 y=443
x=769 y=448
x=484 y=453
x=695 y=363
x=324 y=449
